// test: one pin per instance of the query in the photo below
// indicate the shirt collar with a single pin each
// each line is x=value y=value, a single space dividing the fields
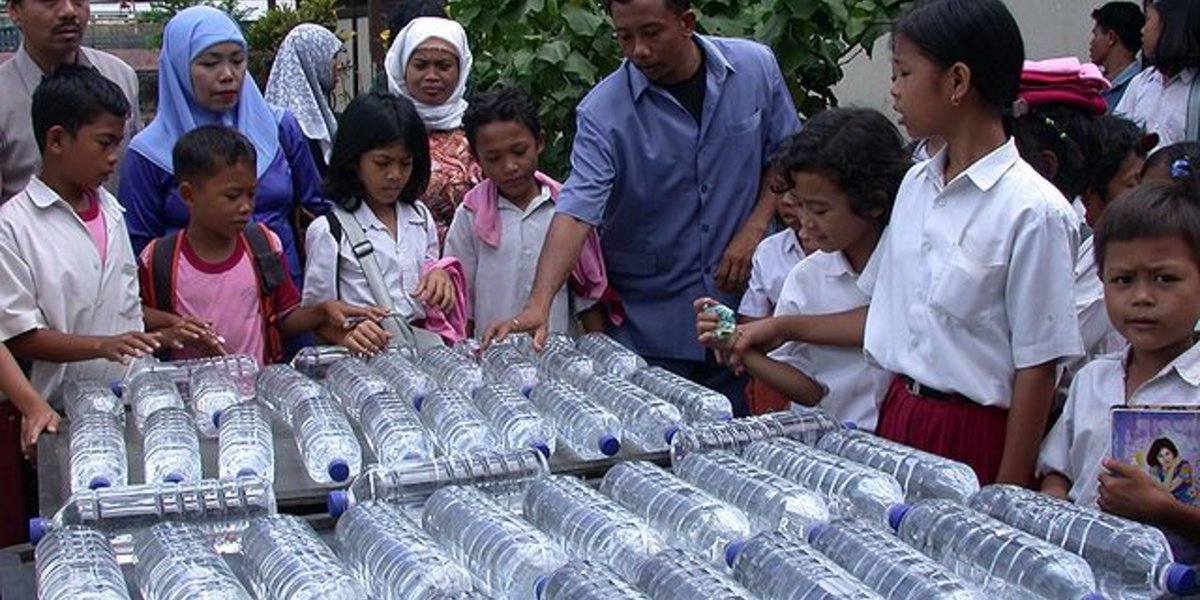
x=841 y=266
x=404 y=212
x=716 y=63
x=984 y=173
x=1187 y=365
x=534 y=204
x=31 y=73
x=1129 y=72
x=791 y=244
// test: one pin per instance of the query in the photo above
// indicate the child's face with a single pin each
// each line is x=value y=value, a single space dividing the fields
x=221 y=205
x=89 y=156
x=827 y=220
x=383 y=173
x=1152 y=291
x=1151 y=31
x=919 y=93
x=1128 y=176
x=508 y=154
x=1160 y=171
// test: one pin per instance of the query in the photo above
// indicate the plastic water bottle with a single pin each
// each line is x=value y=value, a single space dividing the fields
x=456 y=424
x=213 y=391
x=686 y=516
x=610 y=354
x=171 y=447
x=921 y=474
x=282 y=388
x=735 y=435
x=560 y=360
x=77 y=562
x=886 y=564
x=696 y=402
x=590 y=525
x=770 y=501
x=508 y=555
x=452 y=370
x=97 y=452
x=151 y=393
x=246 y=445
x=469 y=348
x=1129 y=559
x=410 y=484
x=590 y=431
x=584 y=580
x=89 y=395
x=394 y=431
x=507 y=364
x=174 y=561
x=775 y=565
x=515 y=418
x=1004 y=561
x=353 y=383
x=284 y=558
x=850 y=489
x=313 y=361
x=327 y=443
x=241 y=367
x=410 y=382
x=394 y=556
x=647 y=420
x=676 y=574
x=221 y=508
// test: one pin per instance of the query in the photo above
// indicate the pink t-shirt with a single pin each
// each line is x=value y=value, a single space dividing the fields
x=93 y=220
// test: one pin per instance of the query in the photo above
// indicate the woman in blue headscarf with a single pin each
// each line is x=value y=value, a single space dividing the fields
x=202 y=79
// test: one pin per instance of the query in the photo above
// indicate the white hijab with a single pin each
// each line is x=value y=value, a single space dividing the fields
x=301 y=79
x=447 y=115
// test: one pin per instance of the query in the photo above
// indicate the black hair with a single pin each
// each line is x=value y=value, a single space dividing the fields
x=1063 y=131
x=201 y=152
x=1152 y=210
x=374 y=120
x=677 y=6
x=1124 y=19
x=507 y=103
x=407 y=10
x=981 y=34
x=73 y=96
x=1112 y=140
x=1179 y=40
x=1156 y=446
x=1169 y=155
x=858 y=149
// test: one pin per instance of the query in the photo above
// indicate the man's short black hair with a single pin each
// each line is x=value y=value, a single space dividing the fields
x=1125 y=19
x=508 y=103
x=73 y=96
x=201 y=152
x=679 y=6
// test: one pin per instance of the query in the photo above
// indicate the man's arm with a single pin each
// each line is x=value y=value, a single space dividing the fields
x=734 y=271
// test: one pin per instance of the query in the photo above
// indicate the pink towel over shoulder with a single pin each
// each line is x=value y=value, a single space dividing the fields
x=452 y=325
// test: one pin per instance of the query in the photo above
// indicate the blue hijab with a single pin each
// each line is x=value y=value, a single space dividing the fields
x=186 y=36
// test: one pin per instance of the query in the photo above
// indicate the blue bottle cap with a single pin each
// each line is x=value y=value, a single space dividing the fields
x=527 y=390
x=725 y=417
x=98 y=482
x=539 y=587
x=815 y=531
x=542 y=447
x=670 y=432
x=417 y=401
x=1181 y=580
x=732 y=549
x=246 y=472
x=337 y=502
x=339 y=470
x=38 y=527
x=217 y=418
x=173 y=477
x=609 y=444
x=1093 y=596
x=895 y=515
x=118 y=390
x=851 y=425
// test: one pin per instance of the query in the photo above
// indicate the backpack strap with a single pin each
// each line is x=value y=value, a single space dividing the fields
x=363 y=252
x=1192 y=129
x=269 y=271
x=164 y=258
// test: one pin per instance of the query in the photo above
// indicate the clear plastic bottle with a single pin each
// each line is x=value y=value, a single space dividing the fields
x=394 y=556
x=175 y=562
x=515 y=418
x=508 y=555
x=326 y=440
x=97 y=452
x=410 y=382
x=212 y=391
x=696 y=402
x=456 y=424
x=850 y=489
x=88 y=395
x=1003 y=561
x=770 y=501
x=677 y=574
x=506 y=364
x=777 y=566
x=647 y=420
x=245 y=444
x=281 y=387
x=151 y=392
x=284 y=558
x=353 y=383
x=469 y=348
x=242 y=367
x=78 y=562
x=735 y=435
x=171 y=447
x=686 y=516
x=584 y=580
x=452 y=370
x=394 y=431
x=560 y=360
x=409 y=484
x=590 y=431
x=610 y=354
x=590 y=525
x=313 y=361
x=921 y=474
x=1130 y=560
x=886 y=564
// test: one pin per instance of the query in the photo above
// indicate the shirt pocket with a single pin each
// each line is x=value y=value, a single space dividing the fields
x=745 y=125
x=968 y=291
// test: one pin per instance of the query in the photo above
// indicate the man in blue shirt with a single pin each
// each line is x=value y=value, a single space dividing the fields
x=670 y=166
x=1116 y=41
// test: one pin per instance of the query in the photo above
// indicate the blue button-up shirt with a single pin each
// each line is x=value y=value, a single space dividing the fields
x=1119 y=83
x=668 y=194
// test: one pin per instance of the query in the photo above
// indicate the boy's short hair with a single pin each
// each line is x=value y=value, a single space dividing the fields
x=1124 y=19
x=679 y=6
x=201 y=152
x=73 y=96
x=1112 y=140
x=507 y=103
x=1152 y=210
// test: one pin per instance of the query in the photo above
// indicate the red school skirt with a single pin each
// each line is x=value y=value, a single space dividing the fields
x=949 y=425
x=763 y=398
x=15 y=478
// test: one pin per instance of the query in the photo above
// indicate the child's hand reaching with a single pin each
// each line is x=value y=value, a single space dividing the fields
x=33 y=423
x=190 y=331
x=347 y=316
x=1127 y=491
x=366 y=339
x=132 y=344
x=436 y=289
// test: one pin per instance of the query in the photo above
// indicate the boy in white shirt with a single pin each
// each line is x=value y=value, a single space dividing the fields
x=773 y=259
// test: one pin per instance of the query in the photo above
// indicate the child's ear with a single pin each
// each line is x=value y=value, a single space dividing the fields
x=960 y=82
x=56 y=138
x=541 y=142
x=879 y=199
x=187 y=193
x=1050 y=160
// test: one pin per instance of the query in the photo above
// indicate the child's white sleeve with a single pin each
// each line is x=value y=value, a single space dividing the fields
x=320 y=266
x=756 y=302
x=433 y=250
x=19 y=312
x=1055 y=455
x=461 y=243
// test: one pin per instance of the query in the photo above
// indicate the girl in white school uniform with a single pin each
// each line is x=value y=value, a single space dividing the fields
x=378 y=169
x=968 y=309
x=1165 y=98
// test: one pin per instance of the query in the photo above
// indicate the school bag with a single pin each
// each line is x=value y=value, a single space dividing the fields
x=268 y=269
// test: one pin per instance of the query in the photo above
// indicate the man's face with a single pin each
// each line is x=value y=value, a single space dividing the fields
x=655 y=38
x=51 y=27
x=1100 y=45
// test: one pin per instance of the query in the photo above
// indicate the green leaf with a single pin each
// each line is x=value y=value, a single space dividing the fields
x=581 y=20
x=554 y=52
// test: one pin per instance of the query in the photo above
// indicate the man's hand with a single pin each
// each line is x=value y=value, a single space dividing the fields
x=42 y=418
x=1127 y=491
x=529 y=320
x=734 y=271
x=133 y=344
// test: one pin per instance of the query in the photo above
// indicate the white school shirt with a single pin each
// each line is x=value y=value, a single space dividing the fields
x=972 y=279
x=824 y=283
x=400 y=259
x=53 y=278
x=1082 y=437
x=773 y=260
x=1159 y=104
x=1099 y=335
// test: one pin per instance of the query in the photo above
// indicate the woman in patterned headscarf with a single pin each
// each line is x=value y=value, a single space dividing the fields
x=301 y=81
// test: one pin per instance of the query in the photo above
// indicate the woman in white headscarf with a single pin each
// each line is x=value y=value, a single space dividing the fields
x=302 y=78
x=429 y=63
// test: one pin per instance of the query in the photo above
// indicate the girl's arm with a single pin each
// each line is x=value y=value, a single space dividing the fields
x=36 y=413
x=1033 y=391
x=1057 y=485
x=783 y=378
